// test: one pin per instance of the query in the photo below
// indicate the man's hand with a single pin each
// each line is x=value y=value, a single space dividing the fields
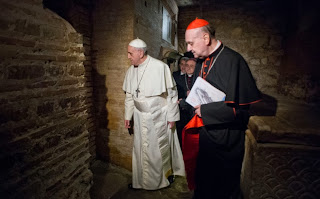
x=198 y=110
x=171 y=124
x=188 y=92
x=127 y=124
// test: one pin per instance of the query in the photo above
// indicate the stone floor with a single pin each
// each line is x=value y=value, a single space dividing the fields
x=111 y=182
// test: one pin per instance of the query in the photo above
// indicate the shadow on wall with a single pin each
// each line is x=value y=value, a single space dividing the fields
x=101 y=114
x=267 y=107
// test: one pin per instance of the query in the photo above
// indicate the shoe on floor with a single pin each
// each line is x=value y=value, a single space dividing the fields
x=171 y=179
x=130 y=186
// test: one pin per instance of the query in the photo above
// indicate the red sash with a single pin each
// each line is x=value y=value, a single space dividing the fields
x=190 y=148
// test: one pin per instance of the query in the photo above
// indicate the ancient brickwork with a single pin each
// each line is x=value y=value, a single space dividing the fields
x=79 y=15
x=112 y=31
x=43 y=120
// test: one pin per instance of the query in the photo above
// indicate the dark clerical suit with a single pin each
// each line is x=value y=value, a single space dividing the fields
x=221 y=139
x=185 y=116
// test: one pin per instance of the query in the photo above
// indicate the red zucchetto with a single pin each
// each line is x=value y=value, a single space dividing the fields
x=197 y=23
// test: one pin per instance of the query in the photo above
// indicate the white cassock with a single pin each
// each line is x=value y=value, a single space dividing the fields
x=156 y=151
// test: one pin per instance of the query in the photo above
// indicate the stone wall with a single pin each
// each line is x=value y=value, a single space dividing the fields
x=112 y=31
x=116 y=23
x=79 y=16
x=44 y=110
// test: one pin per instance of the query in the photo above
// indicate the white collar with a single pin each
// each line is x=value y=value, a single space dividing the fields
x=217 y=46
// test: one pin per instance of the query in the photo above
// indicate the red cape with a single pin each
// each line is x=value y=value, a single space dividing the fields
x=190 y=148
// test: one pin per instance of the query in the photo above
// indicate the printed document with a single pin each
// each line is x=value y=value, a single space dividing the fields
x=203 y=92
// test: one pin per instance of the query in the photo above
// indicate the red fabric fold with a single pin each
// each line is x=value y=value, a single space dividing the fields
x=190 y=148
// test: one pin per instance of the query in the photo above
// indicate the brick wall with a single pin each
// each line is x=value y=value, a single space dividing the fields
x=116 y=23
x=112 y=31
x=79 y=15
x=43 y=119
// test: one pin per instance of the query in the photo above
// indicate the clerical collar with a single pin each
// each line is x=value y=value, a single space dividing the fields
x=216 y=50
x=208 y=62
x=144 y=63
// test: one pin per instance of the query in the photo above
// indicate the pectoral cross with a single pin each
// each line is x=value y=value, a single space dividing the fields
x=137 y=91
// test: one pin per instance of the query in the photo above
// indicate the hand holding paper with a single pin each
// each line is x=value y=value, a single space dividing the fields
x=203 y=92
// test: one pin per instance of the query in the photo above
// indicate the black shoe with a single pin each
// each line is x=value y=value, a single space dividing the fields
x=130 y=186
x=171 y=179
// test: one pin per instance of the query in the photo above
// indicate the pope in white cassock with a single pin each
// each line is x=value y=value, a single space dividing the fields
x=151 y=100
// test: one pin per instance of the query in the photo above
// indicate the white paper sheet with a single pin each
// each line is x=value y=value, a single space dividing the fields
x=203 y=92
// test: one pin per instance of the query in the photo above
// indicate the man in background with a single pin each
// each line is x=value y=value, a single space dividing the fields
x=179 y=77
x=188 y=110
x=190 y=67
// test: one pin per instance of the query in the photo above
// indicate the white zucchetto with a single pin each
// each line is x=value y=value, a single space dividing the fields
x=138 y=43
